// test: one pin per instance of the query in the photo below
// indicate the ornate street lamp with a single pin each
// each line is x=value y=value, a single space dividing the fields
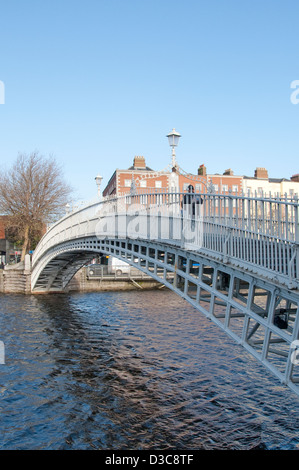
x=173 y=140
x=98 y=183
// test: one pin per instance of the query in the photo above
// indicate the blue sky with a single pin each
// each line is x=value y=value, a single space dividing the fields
x=96 y=82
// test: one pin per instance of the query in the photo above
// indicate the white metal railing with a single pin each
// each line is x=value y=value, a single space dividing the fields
x=260 y=232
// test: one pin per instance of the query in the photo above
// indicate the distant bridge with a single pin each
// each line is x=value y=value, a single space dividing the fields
x=233 y=257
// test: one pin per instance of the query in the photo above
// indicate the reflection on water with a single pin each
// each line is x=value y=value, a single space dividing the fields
x=132 y=370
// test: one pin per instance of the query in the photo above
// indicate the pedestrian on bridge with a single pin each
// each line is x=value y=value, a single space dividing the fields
x=191 y=202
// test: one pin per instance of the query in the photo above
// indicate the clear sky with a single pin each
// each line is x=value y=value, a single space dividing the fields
x=96 y=82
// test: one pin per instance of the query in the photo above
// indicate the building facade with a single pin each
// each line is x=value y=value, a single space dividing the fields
x=260 y=184
x=138 y=175
x=142 y=178
x=8 y=251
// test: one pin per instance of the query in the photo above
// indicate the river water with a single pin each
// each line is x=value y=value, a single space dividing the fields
x=132 y=370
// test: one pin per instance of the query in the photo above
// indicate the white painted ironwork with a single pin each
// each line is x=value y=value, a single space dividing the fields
x=234 y=257
x=173 y=140
x=98 y=180
x=260 y=235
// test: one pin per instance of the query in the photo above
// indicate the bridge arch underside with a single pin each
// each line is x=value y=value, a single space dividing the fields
x=57 y=270
x=258 y=314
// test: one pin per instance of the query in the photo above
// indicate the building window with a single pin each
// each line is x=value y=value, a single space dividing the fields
x=225 y=188
x=235 y=188
x=142 y=183
x=185 y=187
x=198 y=188
x=128 y=183
x=158 y=184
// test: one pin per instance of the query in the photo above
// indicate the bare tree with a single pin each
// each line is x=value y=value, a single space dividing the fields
x=32 y=193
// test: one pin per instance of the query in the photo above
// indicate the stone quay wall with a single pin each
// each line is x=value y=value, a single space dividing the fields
x=16 y=279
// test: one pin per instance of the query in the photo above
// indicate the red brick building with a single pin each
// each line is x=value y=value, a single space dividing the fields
x=139 y=175
x=7 y=249
x=226 y=182
x=145 y=179
x=2 y=227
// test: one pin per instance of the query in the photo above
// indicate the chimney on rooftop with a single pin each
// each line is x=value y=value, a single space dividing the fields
x=295 y=178
x=202 y=171
x=261 y=173
x=139 y=163
x=229 y=172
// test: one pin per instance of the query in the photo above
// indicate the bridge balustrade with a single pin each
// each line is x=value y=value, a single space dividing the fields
x=247 y=231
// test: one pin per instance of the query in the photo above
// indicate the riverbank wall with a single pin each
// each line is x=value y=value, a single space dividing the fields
x=81 y=282
x=16 y=279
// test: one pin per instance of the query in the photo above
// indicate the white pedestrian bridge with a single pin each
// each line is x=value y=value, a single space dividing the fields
x=235 y=258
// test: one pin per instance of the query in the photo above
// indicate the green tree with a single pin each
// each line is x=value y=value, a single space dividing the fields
x=33 y=193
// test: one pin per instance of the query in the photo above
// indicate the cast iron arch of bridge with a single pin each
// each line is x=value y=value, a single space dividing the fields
x=254 y=299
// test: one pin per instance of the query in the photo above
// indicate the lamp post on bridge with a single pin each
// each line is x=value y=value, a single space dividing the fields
x=173 y=140
x=98 y=180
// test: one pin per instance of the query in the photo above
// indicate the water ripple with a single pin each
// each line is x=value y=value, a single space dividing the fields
x=132 y=370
